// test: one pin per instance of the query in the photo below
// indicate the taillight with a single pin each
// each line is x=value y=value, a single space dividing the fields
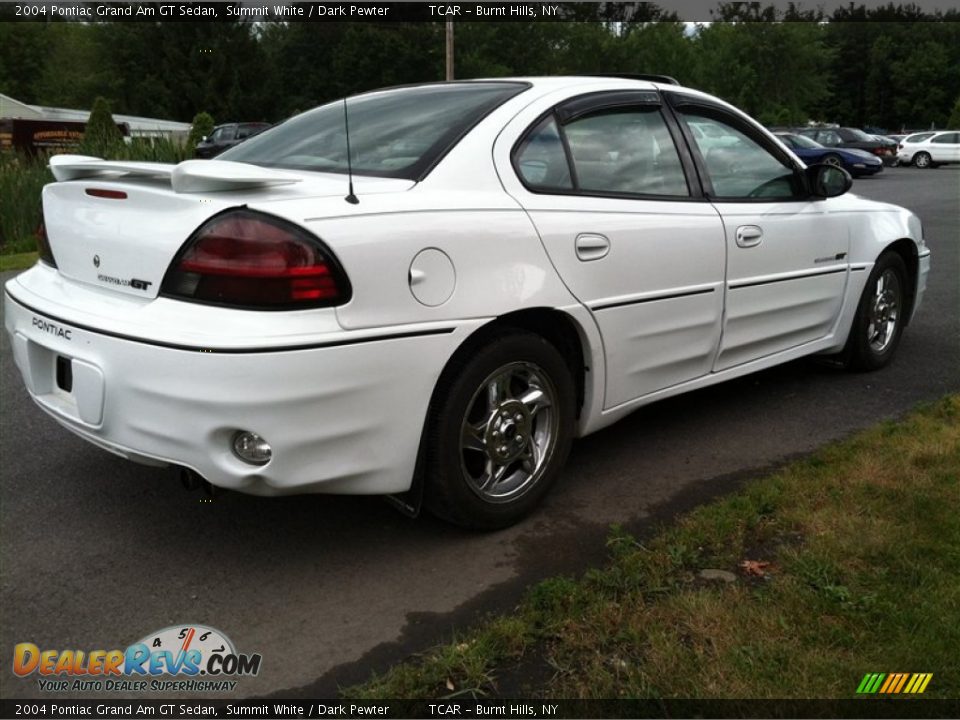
x=43 y=245
x=246 y=259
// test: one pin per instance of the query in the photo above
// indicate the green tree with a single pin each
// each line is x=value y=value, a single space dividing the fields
x=102 y=137
x=202 y=126
x=954 y=122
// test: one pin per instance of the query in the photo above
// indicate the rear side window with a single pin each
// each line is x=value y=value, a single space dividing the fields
x=626 y=151
x=623 y=151
x=398 y=133
x=919 y=137
x=541 y=159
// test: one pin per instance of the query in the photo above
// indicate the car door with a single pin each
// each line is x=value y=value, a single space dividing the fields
x=614 y=198
x=945 y=148
x=786 y=252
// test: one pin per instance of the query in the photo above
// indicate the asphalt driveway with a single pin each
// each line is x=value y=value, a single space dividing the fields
x=96 y=552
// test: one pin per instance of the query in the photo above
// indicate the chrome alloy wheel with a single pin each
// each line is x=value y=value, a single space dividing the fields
x=884 y=311
x=508 y=432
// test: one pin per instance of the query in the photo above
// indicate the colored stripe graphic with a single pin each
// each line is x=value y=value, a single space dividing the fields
x=894 y=683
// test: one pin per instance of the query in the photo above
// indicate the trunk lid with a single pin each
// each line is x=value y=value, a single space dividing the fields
x=124 y=239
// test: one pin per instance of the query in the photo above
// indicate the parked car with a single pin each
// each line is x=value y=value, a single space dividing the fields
x=856 y=162
x=493 y=268
x=928 y=150
x=852 y=138
x=226 y=136
x=911 y=140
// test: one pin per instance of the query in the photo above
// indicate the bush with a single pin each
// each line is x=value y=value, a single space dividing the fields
x=21 y=180
x=102 y=137
x=202 y=127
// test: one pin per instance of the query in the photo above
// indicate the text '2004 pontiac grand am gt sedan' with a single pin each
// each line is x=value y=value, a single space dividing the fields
x=517 y=263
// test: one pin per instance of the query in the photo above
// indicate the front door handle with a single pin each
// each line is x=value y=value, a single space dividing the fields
x=749 y=236
x=591 y=246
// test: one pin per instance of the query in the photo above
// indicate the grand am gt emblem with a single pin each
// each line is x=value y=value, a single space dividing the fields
x=135 y=283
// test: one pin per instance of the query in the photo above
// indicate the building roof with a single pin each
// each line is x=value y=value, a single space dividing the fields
x=138 y=125
x=10 y=108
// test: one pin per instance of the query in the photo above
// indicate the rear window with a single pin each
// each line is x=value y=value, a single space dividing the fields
x=397 y=133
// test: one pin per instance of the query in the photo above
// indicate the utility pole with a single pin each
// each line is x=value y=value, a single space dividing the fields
x=449 y=50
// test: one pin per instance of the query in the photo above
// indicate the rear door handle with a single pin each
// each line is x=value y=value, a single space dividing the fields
x=749 y=236
x=591 y=246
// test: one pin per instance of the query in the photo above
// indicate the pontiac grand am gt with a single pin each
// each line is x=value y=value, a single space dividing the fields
x=492 y=269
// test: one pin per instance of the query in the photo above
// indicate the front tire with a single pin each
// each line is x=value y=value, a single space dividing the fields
x=832 y=160
x=500 y=430
x=880 y=317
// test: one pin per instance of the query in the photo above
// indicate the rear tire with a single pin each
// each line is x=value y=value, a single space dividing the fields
x=922 y=160
x=499 y=431
x=878 y=324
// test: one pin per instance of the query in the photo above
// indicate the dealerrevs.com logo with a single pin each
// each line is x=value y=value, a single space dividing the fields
x=179 y=658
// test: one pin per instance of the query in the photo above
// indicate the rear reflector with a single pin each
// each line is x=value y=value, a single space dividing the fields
x=109 y=194
x=247 y=259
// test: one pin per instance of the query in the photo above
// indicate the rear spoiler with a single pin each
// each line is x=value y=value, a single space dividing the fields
x=190 y=176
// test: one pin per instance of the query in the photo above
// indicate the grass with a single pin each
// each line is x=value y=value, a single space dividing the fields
x=20 y=261
x=863 y=545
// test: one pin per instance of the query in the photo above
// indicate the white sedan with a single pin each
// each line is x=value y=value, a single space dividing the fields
x=927 y=150
x=492 y=269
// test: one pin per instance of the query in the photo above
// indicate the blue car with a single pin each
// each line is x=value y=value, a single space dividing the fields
x=856 y=162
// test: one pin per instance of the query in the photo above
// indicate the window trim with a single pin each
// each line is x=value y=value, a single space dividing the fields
x=602 y=101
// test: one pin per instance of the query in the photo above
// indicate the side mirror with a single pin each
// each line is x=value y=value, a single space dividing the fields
x=828 y=181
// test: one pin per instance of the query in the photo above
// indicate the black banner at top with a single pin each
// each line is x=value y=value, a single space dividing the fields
x=284 y=11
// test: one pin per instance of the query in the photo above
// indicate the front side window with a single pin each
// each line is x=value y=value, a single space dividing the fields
x=221 y=134
x=737 y=165
x=394 y=133
x=829 y=138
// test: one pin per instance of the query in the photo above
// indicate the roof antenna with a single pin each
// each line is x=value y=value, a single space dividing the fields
x=350 y=198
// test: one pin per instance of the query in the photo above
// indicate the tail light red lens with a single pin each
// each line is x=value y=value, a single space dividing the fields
x=247 y=259
x=43 y=245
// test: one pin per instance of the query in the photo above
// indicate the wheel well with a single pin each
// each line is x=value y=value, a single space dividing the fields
x=554 y=326
x=907 y=250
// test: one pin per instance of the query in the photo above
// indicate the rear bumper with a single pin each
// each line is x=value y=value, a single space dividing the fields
x=343 y=416
x=905 y=157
